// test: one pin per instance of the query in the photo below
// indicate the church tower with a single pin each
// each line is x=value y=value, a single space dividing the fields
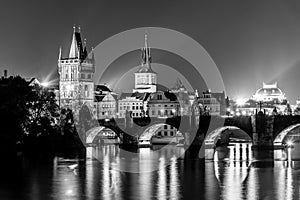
x=145 y=77
x=76 y=86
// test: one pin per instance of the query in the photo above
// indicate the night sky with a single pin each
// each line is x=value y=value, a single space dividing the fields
x=250 y=41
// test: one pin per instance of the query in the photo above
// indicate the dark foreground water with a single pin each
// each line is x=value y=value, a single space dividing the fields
x=236 y=175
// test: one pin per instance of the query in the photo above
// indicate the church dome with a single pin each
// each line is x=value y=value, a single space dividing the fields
x=269 y=92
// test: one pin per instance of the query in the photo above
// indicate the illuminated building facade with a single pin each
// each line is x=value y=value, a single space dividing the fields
x=163 y=104
x=134 y=103
x=76 y=75
x=213 y=103
x=105 y=102
x=269 y=93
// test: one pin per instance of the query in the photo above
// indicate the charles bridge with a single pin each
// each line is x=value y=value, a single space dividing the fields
x=264 y=131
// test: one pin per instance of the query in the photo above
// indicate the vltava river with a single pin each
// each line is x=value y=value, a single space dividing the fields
x=235 y=175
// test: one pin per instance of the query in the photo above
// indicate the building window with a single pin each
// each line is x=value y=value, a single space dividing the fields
x=153 y=112
x=83 y=76
x=89 y=76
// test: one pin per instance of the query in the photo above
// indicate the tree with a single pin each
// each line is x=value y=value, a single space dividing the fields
x=43 y=112
x=28 y=114
x=13 y=112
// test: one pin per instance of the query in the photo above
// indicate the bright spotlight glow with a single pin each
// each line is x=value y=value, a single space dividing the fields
x=241 y=101
x=45 y=84
x=289 y=143
x=244 y=112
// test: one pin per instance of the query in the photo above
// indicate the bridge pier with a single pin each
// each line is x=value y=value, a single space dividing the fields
x=262 y=132
x=209 y=153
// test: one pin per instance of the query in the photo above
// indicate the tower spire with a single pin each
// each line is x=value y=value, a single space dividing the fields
x=59 y=55
x=146 y=54
x=74 y=51
x=93 y=55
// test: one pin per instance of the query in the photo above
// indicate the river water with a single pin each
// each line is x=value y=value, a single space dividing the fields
x=232 y=175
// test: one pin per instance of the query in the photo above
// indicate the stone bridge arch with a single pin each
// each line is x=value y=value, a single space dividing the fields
x=222 y=136
x=96 y=132
x=151 y=131
x=280 y=138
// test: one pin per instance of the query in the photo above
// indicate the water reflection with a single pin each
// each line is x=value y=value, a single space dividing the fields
x=234 y=174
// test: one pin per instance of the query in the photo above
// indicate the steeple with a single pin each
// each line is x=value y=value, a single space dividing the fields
x=85 y=53
x=93 y=56
x=74 y=51
x=59 y=55
x=146 y=53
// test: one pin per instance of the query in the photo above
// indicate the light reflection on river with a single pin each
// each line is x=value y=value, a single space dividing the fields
x=236 y=176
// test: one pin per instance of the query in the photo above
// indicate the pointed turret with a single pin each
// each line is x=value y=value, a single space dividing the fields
x=85 y=53
x=143 y=84
x=93 y=55
x=74 y=51
x=146 y=58
x=146 y=53
x=59 y=55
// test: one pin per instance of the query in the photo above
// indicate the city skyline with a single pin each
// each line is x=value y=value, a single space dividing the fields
x=144 y=99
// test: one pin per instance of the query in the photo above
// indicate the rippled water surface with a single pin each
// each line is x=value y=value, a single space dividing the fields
x=234 y=174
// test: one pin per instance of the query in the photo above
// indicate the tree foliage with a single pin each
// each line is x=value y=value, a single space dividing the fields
x=27 y=113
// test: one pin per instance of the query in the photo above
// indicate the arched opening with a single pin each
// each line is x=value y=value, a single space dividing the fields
x=228 y=143
x=160 y=134
x=289 y=135
x=101 y=135
x=287 y=144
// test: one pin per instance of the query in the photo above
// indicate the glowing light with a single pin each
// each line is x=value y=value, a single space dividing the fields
x=241 y=101
x=228 y=109
x=289 y=143
x=45 y=84
x=238 y=114
x=69 y=192
x=244 y=112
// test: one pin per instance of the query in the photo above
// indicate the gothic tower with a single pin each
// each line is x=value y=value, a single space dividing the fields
x=145 y=77
x=76 y=86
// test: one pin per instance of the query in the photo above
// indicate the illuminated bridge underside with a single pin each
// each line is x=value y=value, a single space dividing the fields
x=92 y=133
x=212 y=138
x=281 y=136
x=150 y=132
